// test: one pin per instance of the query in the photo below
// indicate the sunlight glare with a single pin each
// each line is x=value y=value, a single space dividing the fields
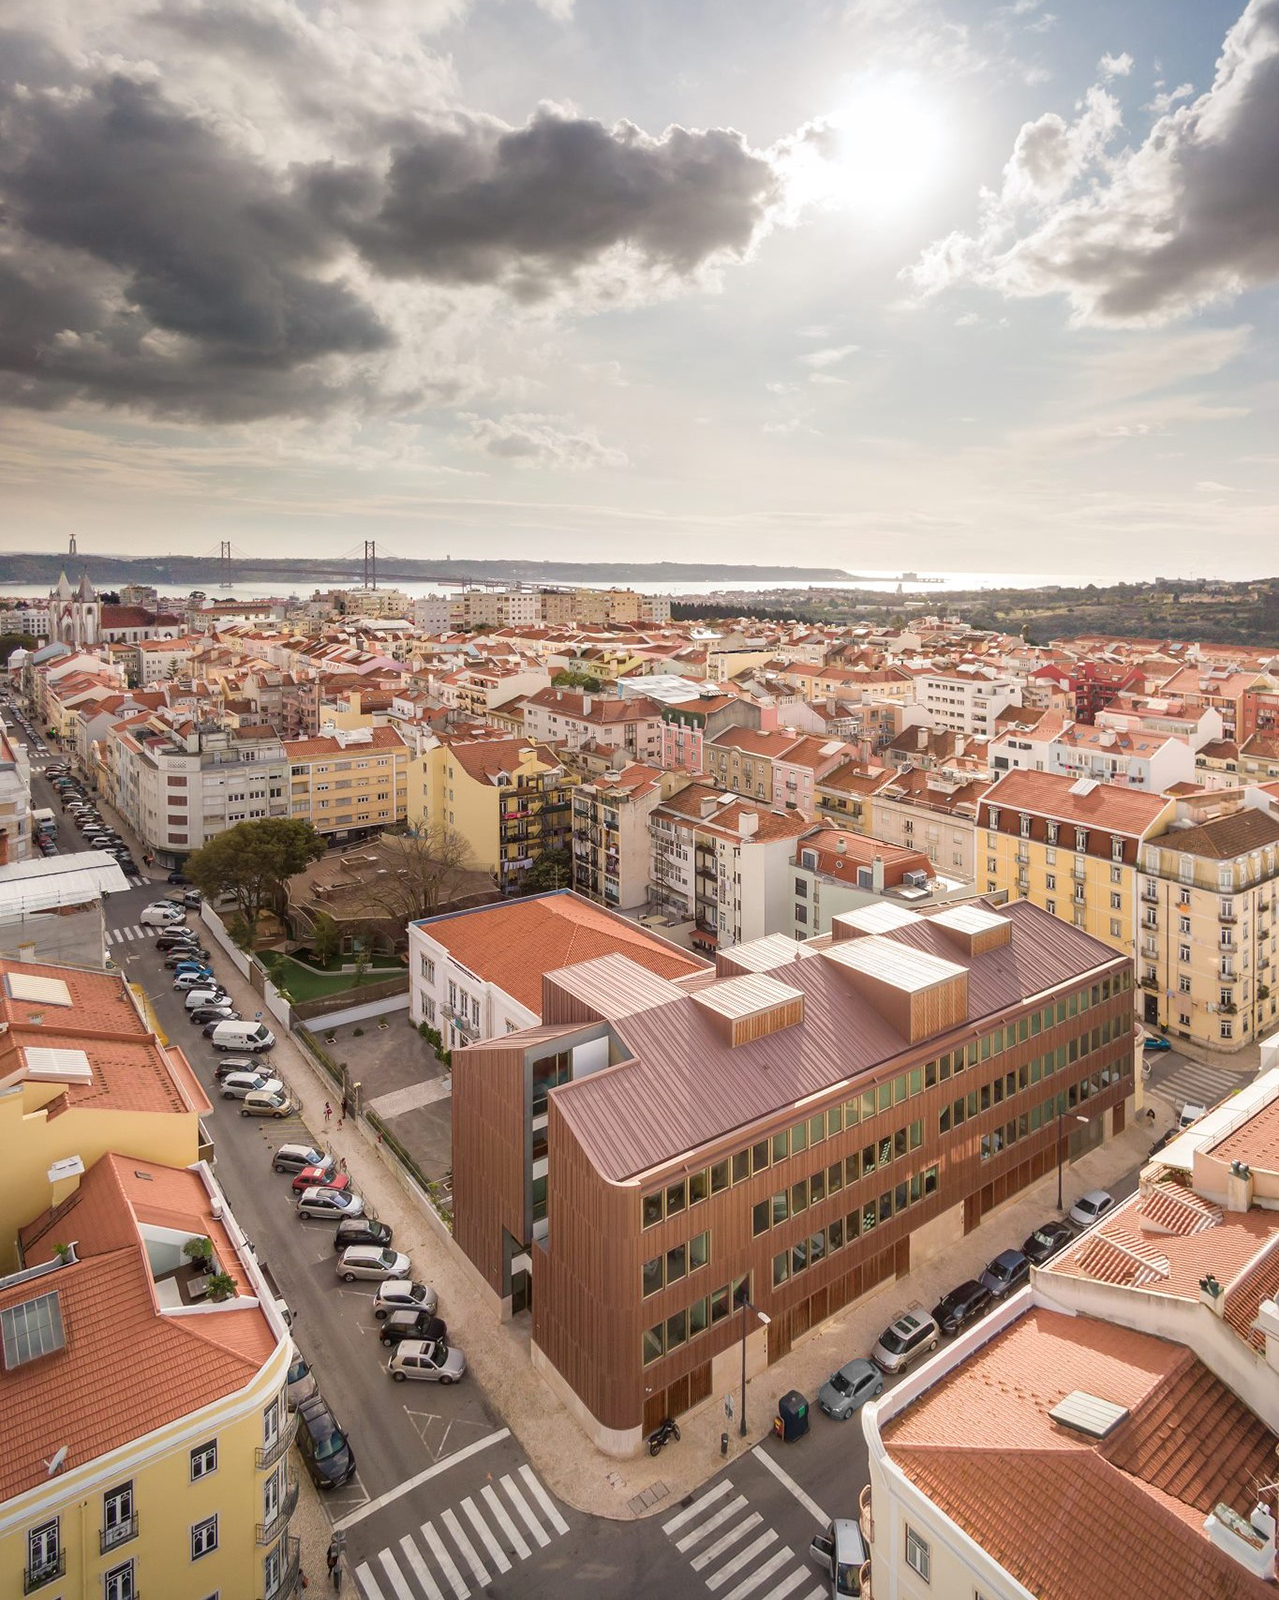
x=881 y=151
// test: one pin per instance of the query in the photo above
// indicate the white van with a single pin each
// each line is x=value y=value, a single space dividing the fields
x=250 y=1036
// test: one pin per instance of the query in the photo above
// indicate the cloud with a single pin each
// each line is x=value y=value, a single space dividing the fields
x=829 y=357
x=1210 y=486
x=1115 y=66
x=557 y=10
x=528 y=439
x=1188 y=216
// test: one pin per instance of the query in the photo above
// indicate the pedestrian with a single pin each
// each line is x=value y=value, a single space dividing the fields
x=328 y=1113
x=342 y=1164
x=345 y=1106
x=333 y=1558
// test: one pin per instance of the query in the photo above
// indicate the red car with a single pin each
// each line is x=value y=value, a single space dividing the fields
x=321 y=1177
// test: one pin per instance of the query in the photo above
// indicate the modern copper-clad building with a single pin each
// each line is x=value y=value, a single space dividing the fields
x=789 y=1128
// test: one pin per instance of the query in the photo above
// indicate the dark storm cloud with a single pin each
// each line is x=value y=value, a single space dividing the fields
x=151 y=258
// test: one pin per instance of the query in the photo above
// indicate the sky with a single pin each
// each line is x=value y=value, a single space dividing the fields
x=883 y=284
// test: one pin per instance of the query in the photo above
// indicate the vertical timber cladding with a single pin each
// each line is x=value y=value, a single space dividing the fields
x=488 y=1153
x=803 y=1301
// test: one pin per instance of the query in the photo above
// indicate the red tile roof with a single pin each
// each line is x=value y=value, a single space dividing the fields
x=512 y=944
x=1049 y=794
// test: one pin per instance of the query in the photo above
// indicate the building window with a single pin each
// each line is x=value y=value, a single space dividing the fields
x=917 y=1556
x=1227 y=1030
x=428 y=969
x=118 y=1583
x=31 y=1329
x=43 y=1551
x=1183 y=952
x=117 y=1515
x=1050 y=906
x=1183 y=983
x=1116 y=928
x=204 y=1460
x=204 y=1537
x=1116 y=902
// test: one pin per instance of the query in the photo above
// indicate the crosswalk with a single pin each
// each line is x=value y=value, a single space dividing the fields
x=726 y=1543
x=140 y=932
x=465 y=1547
x=1198 y=1083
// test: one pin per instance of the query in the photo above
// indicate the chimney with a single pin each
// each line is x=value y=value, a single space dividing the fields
x=1239 y=1187
x=64 y=1179
x=1212 y=1295
x=748 y=824
x=841 y=845
x=706 y=806
x=877 y=874
x=586 y=705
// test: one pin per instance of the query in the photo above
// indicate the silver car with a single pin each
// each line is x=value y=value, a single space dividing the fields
x=368 y=1261
x=301 y=1380
x=330 y=1205
x=841 y=1554
x=237 y=1084
x=430 y=1361
x=403 y=1296
x=906 y=1338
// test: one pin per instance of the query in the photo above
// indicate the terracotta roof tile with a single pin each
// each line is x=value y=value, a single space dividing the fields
x=1176 y=1208
x=1244 y=1297
x=1256 y=1143
x=1106 y=805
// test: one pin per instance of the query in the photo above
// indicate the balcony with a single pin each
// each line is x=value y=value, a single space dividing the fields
x=290 y=1573
x=119 y=1533
x=269 y=1532
x=269 y=1454
x=47 y=1572
x=461 y=1020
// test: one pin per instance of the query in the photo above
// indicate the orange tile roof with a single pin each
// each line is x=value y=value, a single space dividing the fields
x=1048 y=794
x=1244 y=1297
x=727 y=819
x=1063 y=1513
x=128 y=1073
x=513 y=943
x=99 y=1000
x=1256 y=1143
x=126 y=1367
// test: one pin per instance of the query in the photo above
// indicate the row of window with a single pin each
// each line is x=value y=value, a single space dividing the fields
x=661 y=1271
x=1031 y=1072
x=675 y=1198
x=815 y=1247
x=681 y=1326
x=788 y=1203
x=1039 y=1116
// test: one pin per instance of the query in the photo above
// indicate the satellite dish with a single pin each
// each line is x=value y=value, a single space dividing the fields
x=58 y=1461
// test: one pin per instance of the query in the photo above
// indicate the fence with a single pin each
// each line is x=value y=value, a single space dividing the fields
x=375 y=1000
x=213 y=922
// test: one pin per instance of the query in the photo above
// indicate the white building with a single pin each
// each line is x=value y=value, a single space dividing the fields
x=15 y=802
x=431 y=613
x=967 y=699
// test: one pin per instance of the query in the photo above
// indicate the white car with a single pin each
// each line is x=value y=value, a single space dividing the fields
x=190 y=981
x=367 y=1261
x=238 y=1084
x=204 y=994
x=432 y=1360
x=162 y=916
x=1190 y=1114
x=403 y=1296
x=1089 y=1207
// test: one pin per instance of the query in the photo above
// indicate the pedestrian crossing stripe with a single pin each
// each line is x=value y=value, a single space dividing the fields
x=137 y=931
x=455 y=1554
x=734 y=1553
x=1196 y=1081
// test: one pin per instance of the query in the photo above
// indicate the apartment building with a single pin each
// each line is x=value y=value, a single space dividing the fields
x=482 y=688
x=611 y=838
x=350 y=782
x=1209 y=890
x=788 y=1136
x=1071 y=847
x=967 y=699
x=912 y=811
x=690 y=720
x=838 y=870
x=15 y=802
x=629 y=724
x=721 y=866
x=778 y=768
x=1229 y=690
x=178 y=783
x=153 y=660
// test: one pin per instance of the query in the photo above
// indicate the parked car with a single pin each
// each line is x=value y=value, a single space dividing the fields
x=194 y=979
x=1008 y=1271
x=179 y=878
x=261 y=1103
x=237 y=1084
x=230 y=1064
x=1164 y=1138
x=159 y=916
x=289 y=1157
x=399 y=1296
x=193 y=899
x=207 y=993
x=300 y=1384
x=845 y=1392
x=1190 y=1114
x=186 y=954
x=325 y=1450
x=367 y=1261
x=248 y=1036
x=319 y=1175
x=211 y=1017
x=910 y=1336
x=1046 y=1241
x=330 y=1205
x=437 y=1362
x=1154 y=1043
x=961 y=1306
x=1089 y=1207
x=840 y=1553
x=401 y=1325
x=361 y=1230
x=176 y=938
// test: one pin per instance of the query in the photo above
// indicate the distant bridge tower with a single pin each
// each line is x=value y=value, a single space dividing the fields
x=370 y=564
x=225 y=578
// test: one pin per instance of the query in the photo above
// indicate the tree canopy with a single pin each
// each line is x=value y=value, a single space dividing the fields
x=253 y=861
x=9 y=642
x=553 y=869
x=428 y=866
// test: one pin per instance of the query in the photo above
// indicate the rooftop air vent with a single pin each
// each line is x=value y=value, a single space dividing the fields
x=1086 y=1414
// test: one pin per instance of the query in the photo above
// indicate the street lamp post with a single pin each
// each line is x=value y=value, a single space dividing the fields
x=747 y=1306
x=1061 y=1111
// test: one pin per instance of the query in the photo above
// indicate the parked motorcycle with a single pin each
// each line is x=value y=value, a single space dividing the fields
x=667 y=1429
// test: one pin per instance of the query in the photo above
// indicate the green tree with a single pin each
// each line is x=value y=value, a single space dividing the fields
x=9 y=642
x=553 y=869
x=575 y=678
x=326 y=939
x=253 y=861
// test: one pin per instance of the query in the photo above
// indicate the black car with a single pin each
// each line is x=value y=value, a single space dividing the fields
x=324 y=1448
x=179 y=878
x=411 y=1325
x=361 y=1230
x=172 y=938
x=1046 y=1241
x=961 y=1306
x=185 y=952
x=211 y=1015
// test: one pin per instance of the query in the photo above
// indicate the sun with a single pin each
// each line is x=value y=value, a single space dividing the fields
x=881 y=152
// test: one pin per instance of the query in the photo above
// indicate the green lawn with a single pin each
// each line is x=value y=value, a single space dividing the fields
x=305 y=984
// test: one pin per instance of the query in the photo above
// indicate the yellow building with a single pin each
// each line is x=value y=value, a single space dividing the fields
x=508 y=799
x=352 y=781
x=1070 y=845
x=1206 y=962
x=144 y=1433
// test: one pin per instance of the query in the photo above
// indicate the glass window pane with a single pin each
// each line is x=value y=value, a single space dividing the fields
x=834 y=1177
x=781 y=1206
x=761 y=1215
x=676 y=1197
x=699 y=1251
x=719 y=1304
x=868 y=1104
x=799 y=1196
x=799 y=1138
x=799 y=1255
x=835 y=1234
x=652 y=1344
x=817 y=1128
x=817 y=1188
x=759 y=1156
x=676 y=1330
x=852 y=1167
x=817 y=1247
x=781 y=1146
x=741 y=1166
x=852 y=1112
x=834 y=1119
x=719 y=1177
x=698 y=1315
x=652 y=1275
x=676 y=1263
x=781 y=1268
x=698 y=1186
x=884 y=1096
x=651 y=1209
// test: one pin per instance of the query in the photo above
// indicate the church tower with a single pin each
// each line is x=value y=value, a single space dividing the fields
x=75 y=615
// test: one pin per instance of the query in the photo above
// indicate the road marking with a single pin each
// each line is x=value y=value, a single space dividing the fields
x=740 y=1560
x=726 y=1541
x=722 y=1487
x=496 y=1554
x=449 y=1519
x=368 y=1582
x=522 y=1506
x=543 y=1499
x=394 y=1576
x=129 y=933
x=810 y=1505
x=410 y=1484
x=489 y=1495
x=784 y=1588
x=441 y=1553
x=420 y=1569
x=762 y=1575
x=711 y=1523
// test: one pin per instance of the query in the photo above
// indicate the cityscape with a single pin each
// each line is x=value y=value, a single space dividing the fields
x=639 y=801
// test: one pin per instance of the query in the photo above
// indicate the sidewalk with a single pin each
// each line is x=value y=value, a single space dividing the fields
x=497 y=1353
